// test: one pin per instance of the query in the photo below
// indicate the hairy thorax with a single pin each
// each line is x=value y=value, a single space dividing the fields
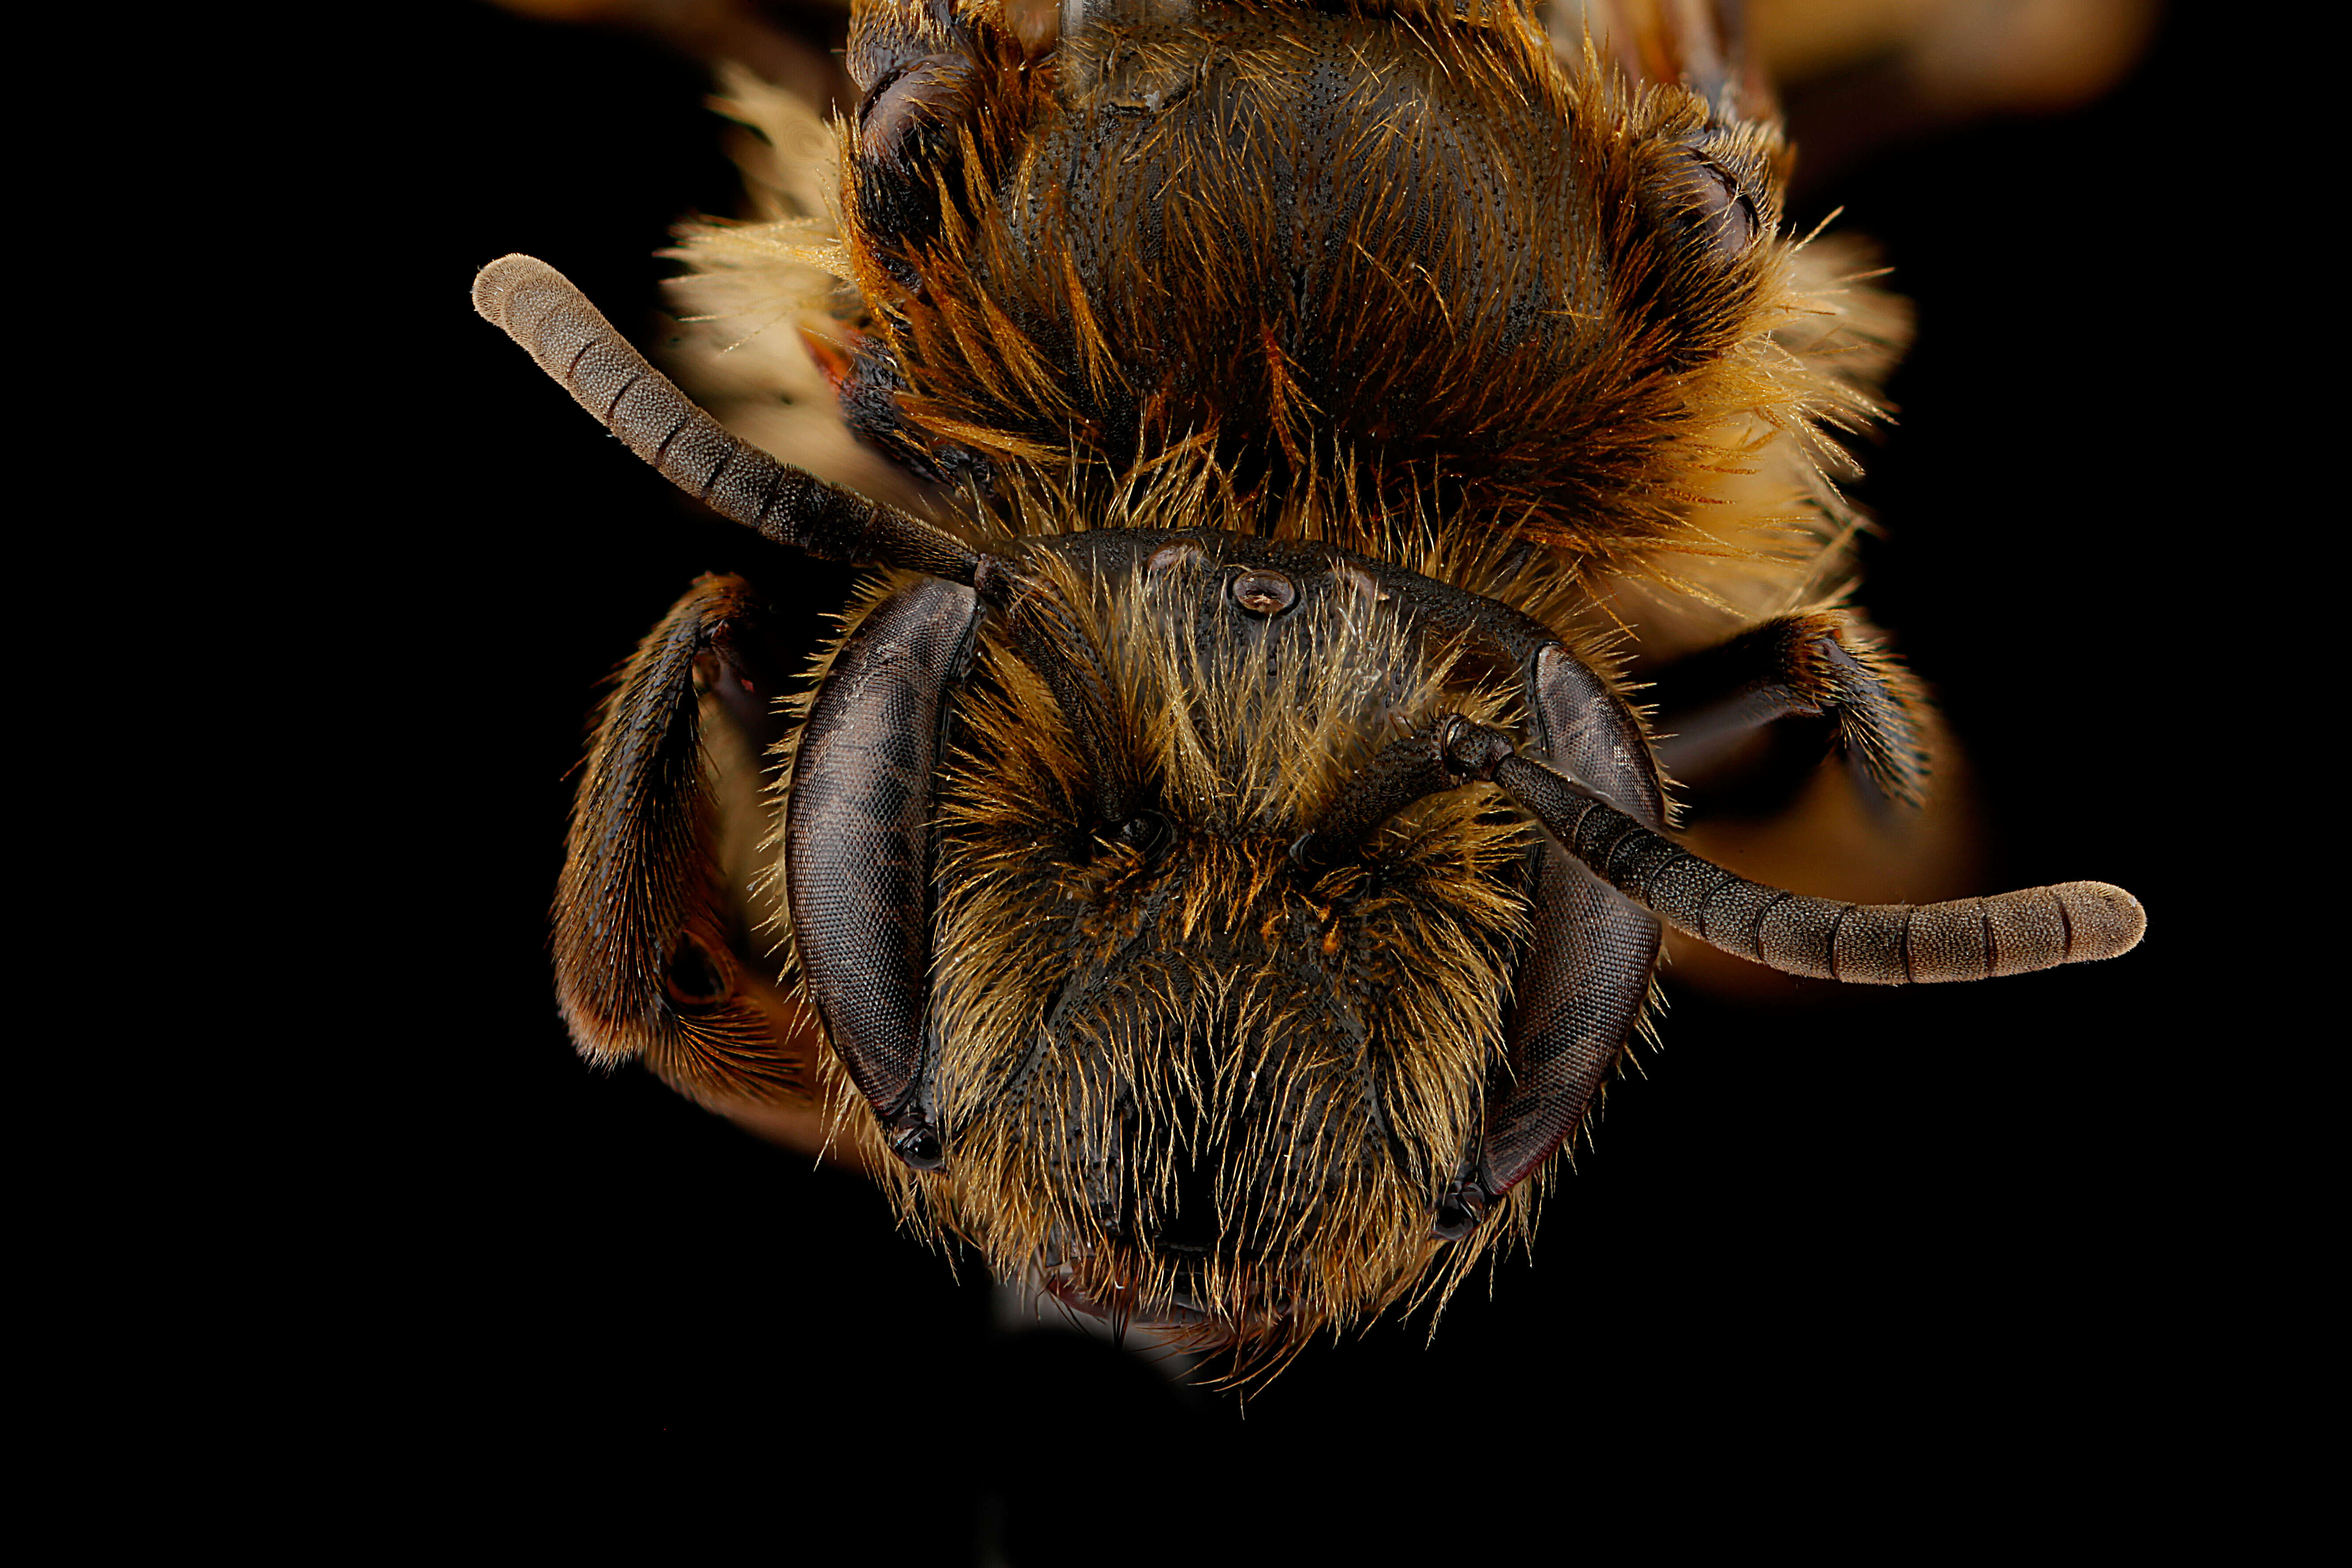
x=1426 y=257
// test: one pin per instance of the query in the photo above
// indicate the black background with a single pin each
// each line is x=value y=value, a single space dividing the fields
x=1842 y=1262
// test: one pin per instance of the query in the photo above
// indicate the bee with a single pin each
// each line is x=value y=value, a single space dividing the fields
x=1337 y=476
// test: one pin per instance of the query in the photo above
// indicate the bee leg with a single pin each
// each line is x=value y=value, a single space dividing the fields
x=659 y=957
x=1743 y=724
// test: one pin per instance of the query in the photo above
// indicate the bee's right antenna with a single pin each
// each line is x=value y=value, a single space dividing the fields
x=554 y=321
x=546 y=314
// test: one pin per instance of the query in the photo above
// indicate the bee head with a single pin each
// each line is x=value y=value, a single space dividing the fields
x=1182 y=1072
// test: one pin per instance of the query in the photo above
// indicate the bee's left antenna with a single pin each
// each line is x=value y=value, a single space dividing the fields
x=1878 y=944
x=546 y=314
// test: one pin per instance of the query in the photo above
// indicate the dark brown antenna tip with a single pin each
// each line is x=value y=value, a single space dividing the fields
x=1874 y=944
x=523 y=297
x=569 y=338
x=2104 y=919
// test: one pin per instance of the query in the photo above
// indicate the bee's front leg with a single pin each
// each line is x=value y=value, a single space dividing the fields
x=666 y=946
x=1744 y=728
x=1741 y=725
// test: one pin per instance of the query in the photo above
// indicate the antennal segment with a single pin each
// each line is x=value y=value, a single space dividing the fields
x=543 y=311
x=1874 y=944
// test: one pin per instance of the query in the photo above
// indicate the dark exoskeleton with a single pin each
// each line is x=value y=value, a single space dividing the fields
x=1221 y=851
